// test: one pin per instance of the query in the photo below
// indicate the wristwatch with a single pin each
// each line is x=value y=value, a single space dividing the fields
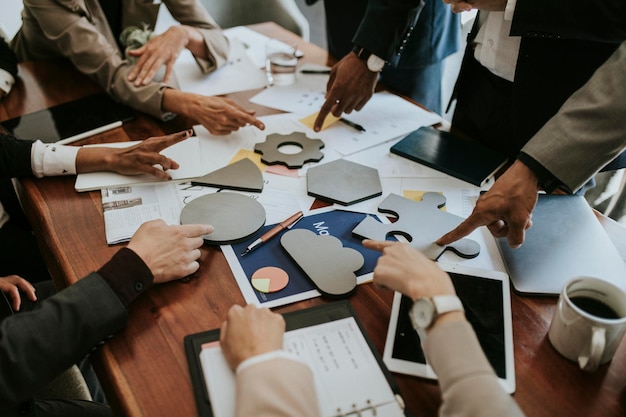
x=426 y=310
x=374 y=63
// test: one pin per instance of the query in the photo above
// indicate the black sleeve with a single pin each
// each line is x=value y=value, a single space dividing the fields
x=8 y=60
x=387 y=26
x=600 y=21
x=15 y=157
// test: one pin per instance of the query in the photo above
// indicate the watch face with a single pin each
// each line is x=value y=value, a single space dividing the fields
x=422 y=312
x=375 y=64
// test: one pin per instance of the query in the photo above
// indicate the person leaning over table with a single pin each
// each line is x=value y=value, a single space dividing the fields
x=271 y=383
x=356 y=26
x=588 y=131
x=524 y=59
x=87 y=32
x=381 y=38
x=36 y=346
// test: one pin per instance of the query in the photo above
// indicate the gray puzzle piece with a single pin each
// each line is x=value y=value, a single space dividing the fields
x=324 y=260
x=422 y=223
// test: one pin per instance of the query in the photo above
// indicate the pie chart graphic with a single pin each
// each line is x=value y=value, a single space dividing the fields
x=269 y=279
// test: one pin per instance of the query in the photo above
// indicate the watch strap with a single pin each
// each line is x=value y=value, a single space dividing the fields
x=445 y=304
x=361 y=52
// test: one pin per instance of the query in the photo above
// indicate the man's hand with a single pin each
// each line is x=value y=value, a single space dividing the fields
x=250 y=331
x=349 y=87
x=164 y=49
x=134 y=160
x=459 y=6
x=12 y=285
x=171 y=252
x=219 y=115
x=506 y=209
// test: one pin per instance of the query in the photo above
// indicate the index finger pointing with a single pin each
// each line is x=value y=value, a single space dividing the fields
x=462 y=230
x=378 y=245
x=158 y=144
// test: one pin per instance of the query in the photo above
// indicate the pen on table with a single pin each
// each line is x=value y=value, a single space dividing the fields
x=352 y=124
x=285 y=224
x=312 y=71
x=92 y=132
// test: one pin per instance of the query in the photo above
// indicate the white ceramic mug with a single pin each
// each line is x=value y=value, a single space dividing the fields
x=589 y=321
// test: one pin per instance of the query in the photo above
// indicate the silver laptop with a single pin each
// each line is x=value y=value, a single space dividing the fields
x=565 y=241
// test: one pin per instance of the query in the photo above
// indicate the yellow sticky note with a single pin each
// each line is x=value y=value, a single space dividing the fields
x=253 y=156
x=416 y=195
x=310 y=120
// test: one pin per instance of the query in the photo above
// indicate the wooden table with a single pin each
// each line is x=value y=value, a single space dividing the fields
x=144 y=371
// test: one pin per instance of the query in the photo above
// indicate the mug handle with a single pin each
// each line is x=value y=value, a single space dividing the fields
x=596 y=348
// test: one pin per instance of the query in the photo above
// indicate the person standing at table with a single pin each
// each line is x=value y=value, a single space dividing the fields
x=272 y=383
x=355 y=24
x=524 y=59
x=87 y=33
x=588 y=132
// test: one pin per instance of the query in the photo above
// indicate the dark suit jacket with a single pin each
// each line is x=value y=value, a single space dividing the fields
x=414 y=36
x=66 y=327
x=563 y=43
x=434 y=35
x=14 y=157
x=8 y=60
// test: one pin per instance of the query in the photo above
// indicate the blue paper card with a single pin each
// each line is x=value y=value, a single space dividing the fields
x=337 y=223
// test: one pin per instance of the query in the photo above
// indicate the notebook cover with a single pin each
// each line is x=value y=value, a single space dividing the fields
x=565 y=241
x=294 y=320
x=68 y=119
x=469 y=161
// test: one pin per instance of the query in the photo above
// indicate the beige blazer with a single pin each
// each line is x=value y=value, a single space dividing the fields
x=78 y=30
x=469 y=386
x=276 y=388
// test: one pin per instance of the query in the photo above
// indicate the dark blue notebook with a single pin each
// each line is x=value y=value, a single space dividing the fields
x=469 y=161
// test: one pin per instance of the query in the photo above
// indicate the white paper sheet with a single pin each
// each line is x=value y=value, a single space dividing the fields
x=238 y=74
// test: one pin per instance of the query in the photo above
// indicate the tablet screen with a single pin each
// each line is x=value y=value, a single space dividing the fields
x=486 y=300
x=68 y=119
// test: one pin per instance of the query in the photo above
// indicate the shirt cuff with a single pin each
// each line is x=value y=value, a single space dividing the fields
x=6 y=81
x=48 y=159
x=275 y=354
x=509 y=10
x=127 y=274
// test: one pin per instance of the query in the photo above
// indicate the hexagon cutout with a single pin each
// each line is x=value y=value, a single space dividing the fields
x=343 y=182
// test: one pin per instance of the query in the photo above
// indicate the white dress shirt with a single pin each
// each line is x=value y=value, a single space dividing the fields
x=48 y=159
x=494 y=48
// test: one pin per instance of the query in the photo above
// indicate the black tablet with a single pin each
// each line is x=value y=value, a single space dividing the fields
x=71 y=121
x=486 y=298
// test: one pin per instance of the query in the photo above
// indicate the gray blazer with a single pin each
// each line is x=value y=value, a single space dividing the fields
x=78 y=30
x=589 y=130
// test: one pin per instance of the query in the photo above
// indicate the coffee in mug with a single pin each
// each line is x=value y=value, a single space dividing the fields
x=589 y=321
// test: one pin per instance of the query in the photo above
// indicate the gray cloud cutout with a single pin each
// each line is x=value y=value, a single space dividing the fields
x=324 y=260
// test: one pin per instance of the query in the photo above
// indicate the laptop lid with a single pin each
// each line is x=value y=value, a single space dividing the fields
x=565 y=241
